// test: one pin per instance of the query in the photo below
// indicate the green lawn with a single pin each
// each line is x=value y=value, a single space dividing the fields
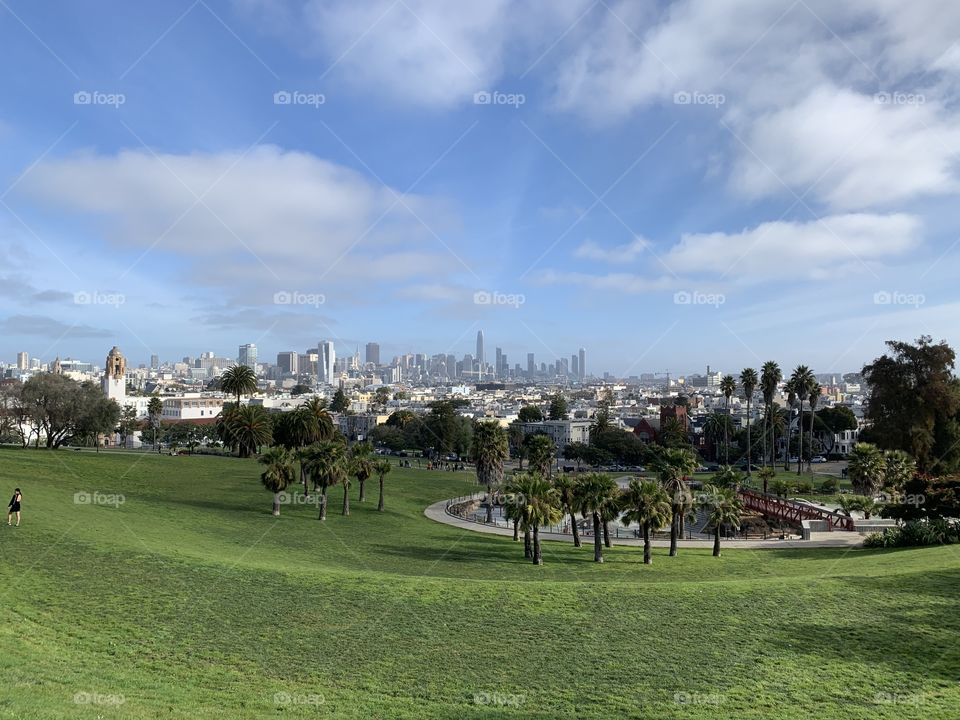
x=189 y=600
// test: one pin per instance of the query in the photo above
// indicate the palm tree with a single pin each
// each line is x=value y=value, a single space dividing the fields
x=295 y=430
x=724 y=507
x=515 y=508
x=865 y=467
x=566 y=491
x=609 y=512
x=802 y=379
x=317 y=407
x=594 y=490
x=727 y=477
x=540 y=453
x=541 y=507
x=601 y=422
x=278 y=474
x=727 y=386
x=748 y=381
x=154 y=411
x=766 y=474
x=648 y=505
x=770 y=377
x=672 y=465
x=715 y=428
x=327 y=465
x=791 y=387
x=381 y=467
x=239 y=380
x=489 y=450
x=814 y=398
x=245 y=428
x=361 y=466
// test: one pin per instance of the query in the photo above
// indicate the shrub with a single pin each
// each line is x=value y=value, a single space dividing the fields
x=915 y=534
x=804 y=487
x=829 y=486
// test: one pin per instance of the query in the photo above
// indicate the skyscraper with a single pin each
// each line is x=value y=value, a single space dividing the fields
x=288 y=362
x=480 y=353
x=373 y=353
x=582 y=365
x=498 y=367
x=531 y=367
x=154 y=362
x=575 y=366
x=248 y=356
x=23 y=361
x=326 y=361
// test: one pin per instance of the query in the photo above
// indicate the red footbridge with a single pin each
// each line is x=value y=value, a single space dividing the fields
x=791 y=511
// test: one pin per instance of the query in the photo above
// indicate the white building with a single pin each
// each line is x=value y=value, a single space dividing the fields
x=114 y=381
x=191 y=407
x=326 y=362
x=562 y=432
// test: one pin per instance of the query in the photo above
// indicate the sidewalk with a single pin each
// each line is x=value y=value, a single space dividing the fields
x=837 y=539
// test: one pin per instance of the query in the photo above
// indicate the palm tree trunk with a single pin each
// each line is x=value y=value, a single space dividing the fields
x=380 y=501
x=800 y=428
x=749 y=444
x=363 y=489
x=346 y=500
x=606 y=534
x=766 y=414
x=576 y=530
x=489 y=502
x=647 y=554
x=674 y=527
x=527 y=545
x=303 y=478
x=323 y=504
x=597 y=540
x=537 y=554
x=276 y=504
x=716 y=541
x=810 y=461
x=516 y=530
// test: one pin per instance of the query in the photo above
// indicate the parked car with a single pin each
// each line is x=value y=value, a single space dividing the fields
x=818 y=459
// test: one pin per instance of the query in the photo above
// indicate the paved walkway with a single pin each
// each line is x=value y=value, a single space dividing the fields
x=839 y=538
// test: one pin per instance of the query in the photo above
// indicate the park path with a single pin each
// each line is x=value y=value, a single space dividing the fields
x=838 y=539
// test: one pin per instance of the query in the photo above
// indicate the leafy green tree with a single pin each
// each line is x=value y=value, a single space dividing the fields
x=672 y=466
x=530 y=413
x=445 y=429
x=727 y=386
x=724 y=507
x=381 y=396
x=382 y=468
x=770 y=377
x=238 y=380
x=558 y=407
x=748 y=381
x=279 y=473
x=865 y=468
x=898 y=469
x=98 y=415
x=914 y=402
x=782 y=486
x=340 y=402
x=489 y=451
x=727 y=477
x=648 y=505
x=576 y=452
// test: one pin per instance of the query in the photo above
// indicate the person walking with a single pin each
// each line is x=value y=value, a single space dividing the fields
x=14 y=506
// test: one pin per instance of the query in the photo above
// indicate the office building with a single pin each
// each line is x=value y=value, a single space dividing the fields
x=288 y=362
x=23 y=361
x=248 y=356
x=582 y=363
x=373 y=353
x=326 y=361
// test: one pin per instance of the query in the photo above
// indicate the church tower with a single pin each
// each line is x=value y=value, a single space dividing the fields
x=115 y=376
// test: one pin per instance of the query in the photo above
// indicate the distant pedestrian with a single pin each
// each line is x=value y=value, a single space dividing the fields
x=14 y=506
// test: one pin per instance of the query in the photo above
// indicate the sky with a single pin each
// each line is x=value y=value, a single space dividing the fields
x=666 y=184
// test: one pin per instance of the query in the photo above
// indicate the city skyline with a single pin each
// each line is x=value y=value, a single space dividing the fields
x=727 y=204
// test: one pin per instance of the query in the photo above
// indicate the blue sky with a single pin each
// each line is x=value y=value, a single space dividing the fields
x=667 y=185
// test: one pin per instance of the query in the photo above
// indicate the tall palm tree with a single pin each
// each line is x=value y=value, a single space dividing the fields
x=748 y=381
x=594 y=491
x=770 y=377
x=609 y=512
x=791 y=387
x=727 y=386
x=814 y=399
x=803 y=380
x=361 y=466
x=515 y=508
x=239 y=380
x=541 y=508
x=278 y=474
x=672 y=466
x=327 y=465
x=489 y=449
x=382 y=468
x=648 y=505
x=566 y=491
x=154 y=411
x=724 y=507
x=865 y=467
x=295 y=430
x=540 y=453
x=716 y=428
x=317 y=407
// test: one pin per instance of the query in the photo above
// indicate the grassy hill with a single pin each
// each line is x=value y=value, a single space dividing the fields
x=189 y=600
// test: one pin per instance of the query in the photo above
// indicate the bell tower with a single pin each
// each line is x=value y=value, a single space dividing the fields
x=115 y=376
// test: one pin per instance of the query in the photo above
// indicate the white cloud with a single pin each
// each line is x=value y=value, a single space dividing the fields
x=619 y=254
x=616 y=282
